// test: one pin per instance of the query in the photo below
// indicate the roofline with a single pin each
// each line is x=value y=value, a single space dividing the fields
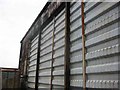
x=44 y=8
x=9 y=69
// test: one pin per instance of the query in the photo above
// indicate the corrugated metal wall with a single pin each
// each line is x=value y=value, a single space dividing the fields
x=75 y=45
x=32 y=62
x=52 y=53
x=58 y=51
x=45 y=56
x=101 y=31
x=101 y=44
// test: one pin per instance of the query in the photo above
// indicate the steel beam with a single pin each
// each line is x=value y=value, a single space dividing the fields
x=52 y=68
x=38 y=60
x=67 y=47
x=83 y=46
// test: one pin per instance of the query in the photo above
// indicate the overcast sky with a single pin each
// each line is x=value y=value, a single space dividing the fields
x=16 y=16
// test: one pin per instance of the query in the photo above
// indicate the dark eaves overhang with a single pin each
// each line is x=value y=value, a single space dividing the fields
x=39 y=15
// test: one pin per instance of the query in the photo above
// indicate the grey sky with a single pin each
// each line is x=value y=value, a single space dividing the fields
x=16 y=16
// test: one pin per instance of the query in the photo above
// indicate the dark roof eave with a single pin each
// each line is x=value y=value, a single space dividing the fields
x=44 y=8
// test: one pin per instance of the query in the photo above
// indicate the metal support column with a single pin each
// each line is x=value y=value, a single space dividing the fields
x=52 y=53
x=67 y=47
x=83 y=46
x=38 y=60
x=20 y=59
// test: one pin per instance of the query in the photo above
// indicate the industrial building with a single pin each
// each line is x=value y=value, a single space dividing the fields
x=72 y=46
x=9 y=78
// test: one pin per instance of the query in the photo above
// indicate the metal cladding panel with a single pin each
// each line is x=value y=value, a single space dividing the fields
x=75 y=45
x=32 y=63
x=45 y=56
x=46 y=53
x=102 y=34
x=58 y=56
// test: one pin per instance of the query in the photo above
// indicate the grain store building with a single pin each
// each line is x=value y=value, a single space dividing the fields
x=72 y=46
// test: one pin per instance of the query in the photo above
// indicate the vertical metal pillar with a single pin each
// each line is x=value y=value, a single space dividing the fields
x=20 y=52
x=67 y=47
x=20 y=58
x=38 y=60
x=83 y=46
x=27 y=58
x=52 y=53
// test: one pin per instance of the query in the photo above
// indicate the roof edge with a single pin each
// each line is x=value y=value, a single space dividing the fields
x=41 y=12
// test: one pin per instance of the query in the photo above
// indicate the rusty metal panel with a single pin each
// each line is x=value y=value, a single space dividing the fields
x=9 y=78
x=32 y=63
